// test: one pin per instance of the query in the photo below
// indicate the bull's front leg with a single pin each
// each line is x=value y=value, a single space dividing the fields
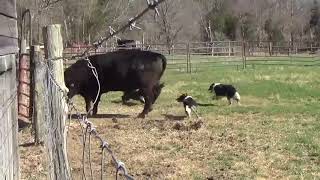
x=149 y=99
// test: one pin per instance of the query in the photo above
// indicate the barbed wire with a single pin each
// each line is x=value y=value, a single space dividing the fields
x=7 y=104
x=4 y=109
x=131 y=23
x=83 y=119
x=151 y=5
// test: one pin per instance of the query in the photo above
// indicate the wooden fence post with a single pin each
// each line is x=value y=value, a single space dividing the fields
x=189 y=57
x=244 y=60
x=56 y=140
x=39 y=71
x=229 y=48
x=212 y=48
x=188 y=60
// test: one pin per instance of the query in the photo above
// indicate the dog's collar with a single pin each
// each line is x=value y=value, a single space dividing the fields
x=216 y=84
x=187 y=97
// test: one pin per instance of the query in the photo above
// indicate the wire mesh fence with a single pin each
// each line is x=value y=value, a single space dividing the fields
x=196 y=55
x=9 y=160
x=57 y=105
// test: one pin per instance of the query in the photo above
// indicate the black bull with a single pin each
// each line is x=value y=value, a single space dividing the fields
x=125 y=70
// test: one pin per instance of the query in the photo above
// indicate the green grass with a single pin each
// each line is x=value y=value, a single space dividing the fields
x=274 y=134
x=286 y=100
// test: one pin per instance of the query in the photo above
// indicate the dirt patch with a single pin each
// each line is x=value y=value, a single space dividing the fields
x=168 y=147
x=32 y=158
x=182 y=126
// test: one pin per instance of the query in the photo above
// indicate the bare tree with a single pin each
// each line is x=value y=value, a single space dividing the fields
x=179 y=20
x=167 y=24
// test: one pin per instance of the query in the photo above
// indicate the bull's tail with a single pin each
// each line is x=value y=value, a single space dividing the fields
x=164 y=63
x=157 y=90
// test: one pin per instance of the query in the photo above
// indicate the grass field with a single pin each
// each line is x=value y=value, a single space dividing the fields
x=274 y=134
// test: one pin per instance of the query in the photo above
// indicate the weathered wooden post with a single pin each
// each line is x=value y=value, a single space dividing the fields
x=39 y=72
x=56 y=140
x=188 y=51
x=244 y=60
x=212 y=48
x=229 y=52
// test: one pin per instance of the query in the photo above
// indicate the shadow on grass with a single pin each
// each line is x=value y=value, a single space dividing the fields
x=173 y=117
x=75 y=116
x=206 y=105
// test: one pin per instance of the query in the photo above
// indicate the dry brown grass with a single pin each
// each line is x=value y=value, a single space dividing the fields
x=268 y=137
x=171 y=147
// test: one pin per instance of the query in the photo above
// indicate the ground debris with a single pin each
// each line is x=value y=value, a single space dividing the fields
x=188 y=126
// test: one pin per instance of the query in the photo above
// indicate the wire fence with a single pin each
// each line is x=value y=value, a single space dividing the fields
x=191 y=56
x=9 y=159
x=58 y=105
x=53 y=89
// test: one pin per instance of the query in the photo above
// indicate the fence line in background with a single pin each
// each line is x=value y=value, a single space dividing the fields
x=193 y=55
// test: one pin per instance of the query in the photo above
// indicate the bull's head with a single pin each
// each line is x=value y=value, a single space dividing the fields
x=71 y=83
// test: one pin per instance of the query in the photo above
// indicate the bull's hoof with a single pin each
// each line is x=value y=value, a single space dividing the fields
x=141 y=115
x=90 y=113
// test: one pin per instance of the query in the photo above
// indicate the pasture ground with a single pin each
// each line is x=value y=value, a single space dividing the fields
x=274 y=134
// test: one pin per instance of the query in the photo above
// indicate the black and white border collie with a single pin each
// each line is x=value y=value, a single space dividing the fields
x=225 y=90
x=189 y=104
x=135 y=95
x=138 y=96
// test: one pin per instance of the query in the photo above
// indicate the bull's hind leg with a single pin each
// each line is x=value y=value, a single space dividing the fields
x=95 y=107
x=149 y=99
x=88 y=103
x=125 y=97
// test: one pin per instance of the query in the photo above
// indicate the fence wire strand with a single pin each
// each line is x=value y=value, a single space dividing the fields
x=90 y=129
